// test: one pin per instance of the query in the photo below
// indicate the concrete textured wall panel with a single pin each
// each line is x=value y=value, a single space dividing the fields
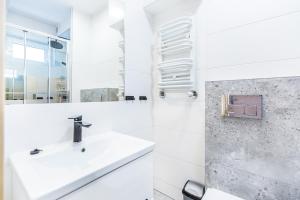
x=255 y=159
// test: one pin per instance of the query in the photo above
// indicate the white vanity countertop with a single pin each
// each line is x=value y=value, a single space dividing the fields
x=62 y=168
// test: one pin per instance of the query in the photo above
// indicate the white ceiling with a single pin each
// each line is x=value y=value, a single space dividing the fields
x=54 y=11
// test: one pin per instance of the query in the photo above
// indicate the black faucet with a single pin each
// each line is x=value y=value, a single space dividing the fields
x=78 y=124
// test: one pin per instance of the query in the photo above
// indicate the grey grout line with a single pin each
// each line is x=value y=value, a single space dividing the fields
x=162 y=154
x=251 y=63
x=161 y=196
x=165 y=182
x=253 y=22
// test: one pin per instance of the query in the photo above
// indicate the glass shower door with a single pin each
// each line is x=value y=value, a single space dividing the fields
x=37 y=68
x=14 y=69
x=59 y=85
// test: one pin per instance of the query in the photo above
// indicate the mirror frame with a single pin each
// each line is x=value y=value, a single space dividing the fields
x=2 y=31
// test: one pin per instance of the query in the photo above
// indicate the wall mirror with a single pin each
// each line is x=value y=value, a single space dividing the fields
x=61 y=51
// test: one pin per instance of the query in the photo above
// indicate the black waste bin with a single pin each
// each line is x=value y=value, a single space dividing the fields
x=193 y=190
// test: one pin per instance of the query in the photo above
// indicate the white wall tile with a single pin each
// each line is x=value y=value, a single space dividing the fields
x=270 y=40
x=175 y=172
x=251 y=39
x=134 y=119
x=180 y=116
x=137 y=83
x=166 y=188
x=184 y=146
x=95 y=53
x=36 y=125
x=80 y=34
x=138 y=40
x=282 y=68
x=231 y=13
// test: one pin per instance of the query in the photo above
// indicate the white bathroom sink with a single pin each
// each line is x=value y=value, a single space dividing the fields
x=62 y=168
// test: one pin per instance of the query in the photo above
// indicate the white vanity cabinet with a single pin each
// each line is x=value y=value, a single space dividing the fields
x=133 y=181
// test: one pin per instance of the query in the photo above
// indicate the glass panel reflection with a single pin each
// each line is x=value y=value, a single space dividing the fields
x=37 y=75
x=14 y=69
x=59 y=87
x=37 y=69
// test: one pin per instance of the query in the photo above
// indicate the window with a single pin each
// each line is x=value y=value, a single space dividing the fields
x=10 y=73
x=33 y=54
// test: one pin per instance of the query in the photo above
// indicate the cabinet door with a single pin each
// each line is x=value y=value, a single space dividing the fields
x=133 y=181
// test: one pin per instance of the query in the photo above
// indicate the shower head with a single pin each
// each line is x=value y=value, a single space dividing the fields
x=56 y=45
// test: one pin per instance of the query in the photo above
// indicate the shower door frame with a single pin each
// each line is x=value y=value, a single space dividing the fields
x=50 y=37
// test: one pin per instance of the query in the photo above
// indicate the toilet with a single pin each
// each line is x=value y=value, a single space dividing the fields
x=213 y=194
x=197 y=191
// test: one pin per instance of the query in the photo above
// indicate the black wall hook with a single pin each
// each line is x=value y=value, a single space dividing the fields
x=162 y=94
x=129 y=98
x=143 y=98
x=193 y=94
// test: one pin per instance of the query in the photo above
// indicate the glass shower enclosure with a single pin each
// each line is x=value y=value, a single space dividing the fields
x=37 y=68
